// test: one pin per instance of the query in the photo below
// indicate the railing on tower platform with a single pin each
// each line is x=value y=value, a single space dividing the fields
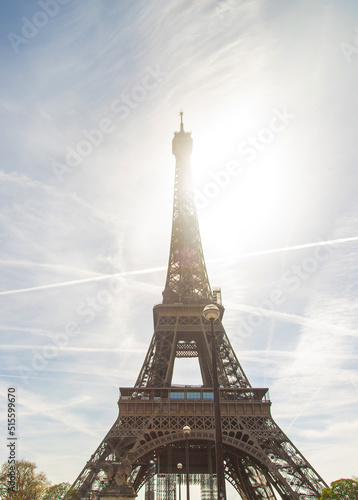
x=192 y=393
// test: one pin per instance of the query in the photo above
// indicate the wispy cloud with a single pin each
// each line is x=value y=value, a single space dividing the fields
x=71 y=349
x=157 y=269
x=228 y=64
x=84 y=280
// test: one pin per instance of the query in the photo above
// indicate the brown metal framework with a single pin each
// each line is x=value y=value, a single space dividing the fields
x=259 y=459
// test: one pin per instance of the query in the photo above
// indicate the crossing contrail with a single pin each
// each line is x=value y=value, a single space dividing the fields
x=164 y=268
x=287 y=249
x=83 y=280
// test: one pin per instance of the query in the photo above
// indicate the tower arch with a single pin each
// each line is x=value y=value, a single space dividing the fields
x=260 y=460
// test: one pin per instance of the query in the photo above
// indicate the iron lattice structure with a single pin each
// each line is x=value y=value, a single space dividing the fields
x=259 y=459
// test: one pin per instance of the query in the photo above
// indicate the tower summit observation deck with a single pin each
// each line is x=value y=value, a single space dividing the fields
x=147 y=441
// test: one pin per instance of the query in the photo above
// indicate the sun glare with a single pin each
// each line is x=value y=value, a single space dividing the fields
x=217 y=138
x=253 y=207
x=253 y=200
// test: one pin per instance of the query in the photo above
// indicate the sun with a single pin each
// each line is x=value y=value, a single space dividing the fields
x=253 y=203
x=217 y=137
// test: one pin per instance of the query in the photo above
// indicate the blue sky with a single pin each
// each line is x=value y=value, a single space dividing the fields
x=90 y=96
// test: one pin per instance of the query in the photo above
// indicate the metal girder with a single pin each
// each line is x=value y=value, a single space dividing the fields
x=187 y=278
x=177 y=329
x=259 y=459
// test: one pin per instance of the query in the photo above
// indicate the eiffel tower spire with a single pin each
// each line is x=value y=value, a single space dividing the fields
x=180 y=330
x=187 y=279
x=147 y=438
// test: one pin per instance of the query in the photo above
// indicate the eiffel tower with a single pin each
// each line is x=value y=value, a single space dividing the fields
x=259 y=460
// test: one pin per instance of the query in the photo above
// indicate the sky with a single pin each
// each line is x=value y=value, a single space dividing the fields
x=90 y=98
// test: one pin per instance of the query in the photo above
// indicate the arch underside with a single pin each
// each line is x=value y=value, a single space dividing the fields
x=246 y=469
x=259 y=460
x=243 y=471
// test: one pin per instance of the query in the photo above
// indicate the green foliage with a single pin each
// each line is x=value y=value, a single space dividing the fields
x=343 y=489
x=30 y=484
x=57 y=491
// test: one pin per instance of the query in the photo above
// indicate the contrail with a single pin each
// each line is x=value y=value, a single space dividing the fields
x=293 y=318
x=84 y=280
x=157 y=269
x=276 y=355
x=57 y=267
x=287 y=249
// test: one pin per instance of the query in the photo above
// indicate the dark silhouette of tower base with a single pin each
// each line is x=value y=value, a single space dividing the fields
x=259 y=460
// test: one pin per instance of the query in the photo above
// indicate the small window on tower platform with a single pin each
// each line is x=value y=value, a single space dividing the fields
x=193 y=395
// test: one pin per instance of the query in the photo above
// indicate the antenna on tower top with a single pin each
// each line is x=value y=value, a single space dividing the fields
x=181 y=121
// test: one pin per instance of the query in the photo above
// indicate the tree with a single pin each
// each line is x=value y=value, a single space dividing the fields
x=28 y=483
x=57 y=491
x=343 y=489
